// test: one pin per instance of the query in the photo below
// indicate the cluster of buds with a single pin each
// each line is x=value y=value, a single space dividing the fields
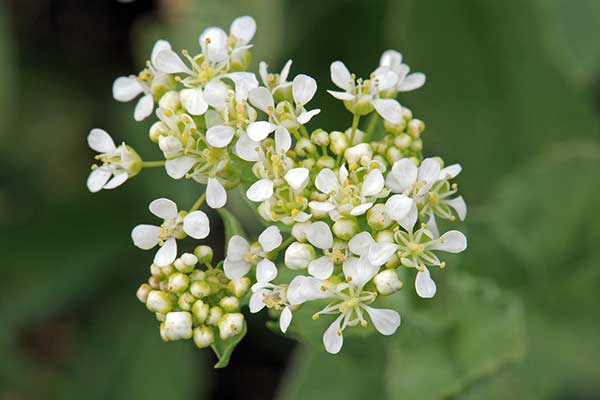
x=345 y=210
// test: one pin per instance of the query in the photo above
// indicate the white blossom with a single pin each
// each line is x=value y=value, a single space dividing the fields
x=241 y=255
x=406 y=82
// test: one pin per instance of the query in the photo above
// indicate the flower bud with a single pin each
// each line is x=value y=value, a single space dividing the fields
x=358 y=136
x=160 y=317
x=178 y=325
x=159 y=301
x=170 y=100
x=407 y=114
x=298 y=255
x=396 y=129
x=230 y=304
x=386 y=236
x=415 y=128
x=143 y=291
x=355 y=154
x=377 y=217
x=156 y=130
x=200 y=289
x=197 y=275
x=162 y=84
x=345 y=228
x=416 y=145
x=182 y=267
x=402 y=141
x=230 y=325
x=239 y=287
x=185 y=301
x=203 y=337
x=214 y=315
x=387 y=282
x=307 y=163
x=204 y=254
x=155 y=270
x=393 y=154
x=154 y=282
x=320 y=137
x=178 y=282
x=325 y=162
x=200 y=311
x=304 y=147
x=338 y=142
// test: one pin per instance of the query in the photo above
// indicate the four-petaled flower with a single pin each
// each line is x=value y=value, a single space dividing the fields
x=241 y=255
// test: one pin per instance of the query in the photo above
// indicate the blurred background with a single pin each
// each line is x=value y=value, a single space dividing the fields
x=512 y=93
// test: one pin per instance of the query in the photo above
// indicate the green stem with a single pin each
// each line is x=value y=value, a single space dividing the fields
x=296 y=134
x=371 y=127
x=198 y=202
x=355 y=121
x=152 y=164
x=304 y=131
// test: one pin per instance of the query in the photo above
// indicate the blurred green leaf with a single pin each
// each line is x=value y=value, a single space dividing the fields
x=224 y=348
x=232 y=224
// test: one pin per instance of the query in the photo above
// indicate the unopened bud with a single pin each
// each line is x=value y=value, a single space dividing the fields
x=178 y=282
x=204 y=337
x=402 y=141
x=354 y=154
x=377 y=217
x=387 y=282
x=325 y=162
x=386 y=236
x=185 y=301
x=200 y=289
x=320 y=137
x=345 y=228
x=230 y=304
x=304 y=147
x=416 y=127
x=338 y=142
x=159 y=301
x=230 y=325
x=143 y=291
x=393 y=154
x=204 y=254
x=358 y=136
x=214 y=315
x=298 y=255
x=200 y=311
x=239 y=287
x=416 y=145
x=395 y=129
x=197 y=275
x=178 y=325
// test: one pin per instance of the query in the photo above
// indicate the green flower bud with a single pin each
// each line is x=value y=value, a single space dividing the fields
x=159 y=301
x=345 y=228
x=386 y=236
x=200 y=289
x=230 y=304
x=164 y=285
x=200 y=311
x=396 y=129
x=177 y=325
x=154 y=282
x=143 y=291
x=214 y=315
x=298 y=255
x=416 y=145
x=307 y=163
x=178 y=282
x=161 y=84
x=185 y=301
x=204 y=254
x=155 y=270
x=415 y=128
x=402 y=141
x=197 y=275
x=357 y=154
x=387 y=282
x=320 y=137
x=230 y=325
x=325 y=162
x=377 y=217
x=239 y=287
x=338 y=142
x=407 y=114
x=203 y=337
x=304 y=147
x=393 y=154
x=160 y=317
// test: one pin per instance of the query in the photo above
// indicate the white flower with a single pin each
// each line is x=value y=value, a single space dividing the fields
x=275 y=81
x=406 y=178
x=406 y=81
x=361 y=97
x=348 y=300
x=343 y=196
x=177 y=325
x=299 y=255
x=439 y=201
x=194 y=224
x=303 y=90
x=119 y=163
x=241 y=255
x=127 y=88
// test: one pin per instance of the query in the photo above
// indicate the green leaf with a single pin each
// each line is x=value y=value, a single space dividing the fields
x=224 y=348
x=232 y=225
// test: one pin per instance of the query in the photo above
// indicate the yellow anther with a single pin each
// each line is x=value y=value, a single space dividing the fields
x=452 y=218
x=454 y=186
x=315 y=316
x=364 y=323
x=443 y=265
x=339 y=332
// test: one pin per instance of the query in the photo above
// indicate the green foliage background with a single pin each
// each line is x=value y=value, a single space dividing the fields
x=512 y=94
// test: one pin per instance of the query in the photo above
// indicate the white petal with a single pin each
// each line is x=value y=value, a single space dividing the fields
x=297 y=178
x=283 y=140
x=215 y=94
x=270 y=238
x=168 y=61
x=97 y=179
x=459 y=206
x=303 y=89
x=451 y=241
x=262 y=99
x=285 y=319
x=236 y=269
x=424 y=285
x=126 y=88
x=306 y=116
x=178 y=167
x=432 y=225
x=259 y=130
x=145 y=237
x=359 y=270
x=331 y=339
x=321 y=268
x=100 y=141
x=170 y=145
x=327 y=181
x=285 y=71
x=361 y=209
x=343 y=173
x=164 y=208
x=429 y=171
x=385 y=77
x=389 y=109
x=390 y=58
x=373 y=183
x=341 y=76
x=243 y=28
x=260 y=190
x=246 y=148
x=319 y=235
x=302 y=217
x=159 y=46
x=412 y=82
x=409 y=221
x=360 y=243
x=266 y=271
x=398 y=206
x=244 y=83
x=213 y=42
x=344 y=96
x=386 y=321
x=450 y=172
x=116 y=181
x=219 y=136
x=321 y=206
x=193 y=101
x=216 y=196
x=237 y=248
x=144 y=108
x=256 y=300
x=402 y=176
x=380 y=253
x=196 y=225
x=166 y=254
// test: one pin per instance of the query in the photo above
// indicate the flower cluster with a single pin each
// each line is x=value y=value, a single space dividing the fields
x=344 y=210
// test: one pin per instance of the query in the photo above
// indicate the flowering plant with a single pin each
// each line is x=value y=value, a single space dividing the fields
x=344 y=210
